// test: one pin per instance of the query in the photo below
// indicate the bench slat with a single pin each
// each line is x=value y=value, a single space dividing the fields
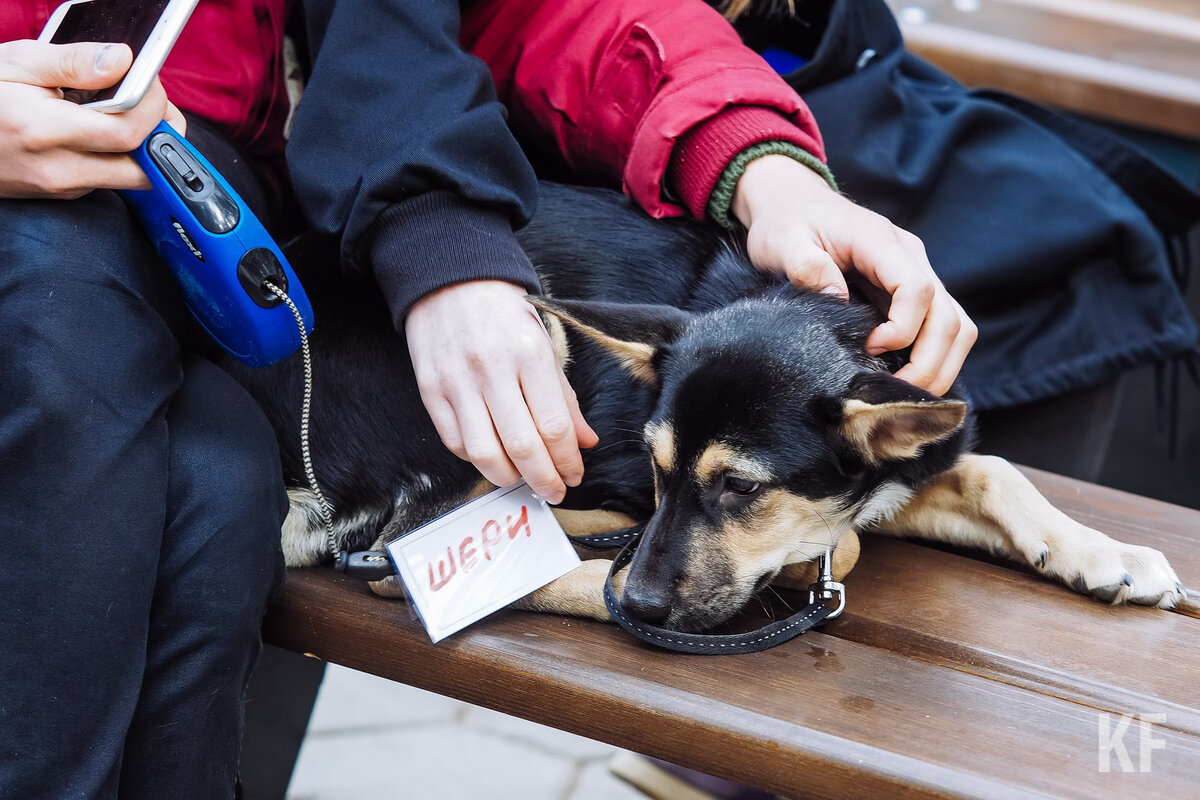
x=805 y=718
x=1115 y=60
x=1019 y=628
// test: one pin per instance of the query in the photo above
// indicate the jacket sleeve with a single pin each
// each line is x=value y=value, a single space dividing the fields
x=400 y=147
x=613 y=86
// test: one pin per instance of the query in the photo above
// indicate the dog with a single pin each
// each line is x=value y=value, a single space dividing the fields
x=740 y=420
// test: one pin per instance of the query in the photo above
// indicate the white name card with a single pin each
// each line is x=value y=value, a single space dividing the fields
x=480 y=557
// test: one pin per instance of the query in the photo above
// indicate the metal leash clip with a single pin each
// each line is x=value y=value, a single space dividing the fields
x=367 y=565
x=826 y=588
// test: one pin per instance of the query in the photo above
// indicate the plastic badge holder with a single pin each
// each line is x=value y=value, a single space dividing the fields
x=219 y=251
x=480 y=557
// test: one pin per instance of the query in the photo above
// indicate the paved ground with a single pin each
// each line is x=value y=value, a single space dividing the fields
x=422 y=745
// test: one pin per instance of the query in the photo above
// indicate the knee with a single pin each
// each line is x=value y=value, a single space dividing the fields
x=85 y=302
x=92 y=240
x=226 y=501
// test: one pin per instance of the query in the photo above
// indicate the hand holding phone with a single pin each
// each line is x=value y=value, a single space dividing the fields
x=51 y=148
x=149 y=28
x=105 y=53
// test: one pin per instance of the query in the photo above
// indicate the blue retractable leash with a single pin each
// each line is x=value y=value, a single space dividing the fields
x=221 y=254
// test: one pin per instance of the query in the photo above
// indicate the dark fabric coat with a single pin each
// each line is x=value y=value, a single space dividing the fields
x=1051 y=233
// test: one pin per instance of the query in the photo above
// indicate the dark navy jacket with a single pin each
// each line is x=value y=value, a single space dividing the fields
x=1051 y=233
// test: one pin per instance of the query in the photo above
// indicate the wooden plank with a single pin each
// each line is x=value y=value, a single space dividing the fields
x=1024 y=630
x=1121 y=61
x=1124 y=33
x=813 y=717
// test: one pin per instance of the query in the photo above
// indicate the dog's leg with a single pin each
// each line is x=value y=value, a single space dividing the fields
x=580 y=593
x=984 y=501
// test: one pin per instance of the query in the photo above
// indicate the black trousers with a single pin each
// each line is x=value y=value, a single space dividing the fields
x=1068 y=434
x=142 y=500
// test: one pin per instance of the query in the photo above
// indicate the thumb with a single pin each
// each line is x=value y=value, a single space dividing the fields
x=175 y=118
x=85 y=65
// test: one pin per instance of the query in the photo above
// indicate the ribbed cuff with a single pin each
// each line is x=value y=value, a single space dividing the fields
x=703 y=155
x=722 y=194
x=435 y=240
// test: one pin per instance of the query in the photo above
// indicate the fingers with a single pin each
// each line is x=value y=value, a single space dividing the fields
x=55 y=149
x=940 y=348
x=900 y=268
x=791 y=252
x=555 y=414
x=583 y=431
x=67 y=126
x=921 y=313
x=87 y=65
x=498 y=401
x=540 y=443
x=814 y=268
x=70 y=175
x=481 y=443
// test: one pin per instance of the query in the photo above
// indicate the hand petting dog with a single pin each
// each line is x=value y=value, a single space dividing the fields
x=492 y=385
x=498 y=397
x=801 y=228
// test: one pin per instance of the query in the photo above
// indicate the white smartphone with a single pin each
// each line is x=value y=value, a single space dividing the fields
x=149 y=27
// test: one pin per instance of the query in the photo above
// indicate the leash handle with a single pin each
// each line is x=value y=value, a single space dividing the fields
x=710 y=643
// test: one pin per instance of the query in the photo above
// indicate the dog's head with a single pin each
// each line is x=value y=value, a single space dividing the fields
x=772 y=434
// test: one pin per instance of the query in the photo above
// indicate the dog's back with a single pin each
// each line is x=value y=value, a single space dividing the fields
x=377 y=454
x=739 y=418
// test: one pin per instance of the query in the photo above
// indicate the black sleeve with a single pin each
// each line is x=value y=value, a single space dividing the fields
x=400 y=146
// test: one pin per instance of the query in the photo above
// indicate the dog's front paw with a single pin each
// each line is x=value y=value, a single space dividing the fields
x=390 y=587
x=1114 y=572
x=579 y=593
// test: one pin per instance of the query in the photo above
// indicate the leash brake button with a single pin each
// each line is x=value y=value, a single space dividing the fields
x=185 y=172
x=211 y=205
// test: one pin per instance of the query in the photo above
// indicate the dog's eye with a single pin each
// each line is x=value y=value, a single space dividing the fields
x=740 y=485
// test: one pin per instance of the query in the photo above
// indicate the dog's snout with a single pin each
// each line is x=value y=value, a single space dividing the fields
x=646 y=606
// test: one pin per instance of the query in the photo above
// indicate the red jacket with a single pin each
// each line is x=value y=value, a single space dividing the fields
x=611 y=86
x=614 y=85
x=399 y=151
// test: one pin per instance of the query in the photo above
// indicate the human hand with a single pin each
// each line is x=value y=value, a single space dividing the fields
x=53 y=148
x=799 y=227
x=492 y=385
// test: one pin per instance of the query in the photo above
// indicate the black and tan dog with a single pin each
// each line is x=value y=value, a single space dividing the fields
x=739 y=418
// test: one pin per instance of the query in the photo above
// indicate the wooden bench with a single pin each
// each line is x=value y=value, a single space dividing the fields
x=1131 y=61
x=948 y=675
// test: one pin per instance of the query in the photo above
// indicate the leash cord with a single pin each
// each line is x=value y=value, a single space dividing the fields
x=323 y=506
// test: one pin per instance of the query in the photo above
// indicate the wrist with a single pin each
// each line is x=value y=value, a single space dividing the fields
x=774 y=180
x=475 y=287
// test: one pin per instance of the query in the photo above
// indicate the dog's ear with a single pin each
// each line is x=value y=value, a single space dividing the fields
x=631 y=332
x=887 y=419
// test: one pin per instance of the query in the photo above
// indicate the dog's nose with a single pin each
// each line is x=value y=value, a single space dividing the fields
x=645 y=606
